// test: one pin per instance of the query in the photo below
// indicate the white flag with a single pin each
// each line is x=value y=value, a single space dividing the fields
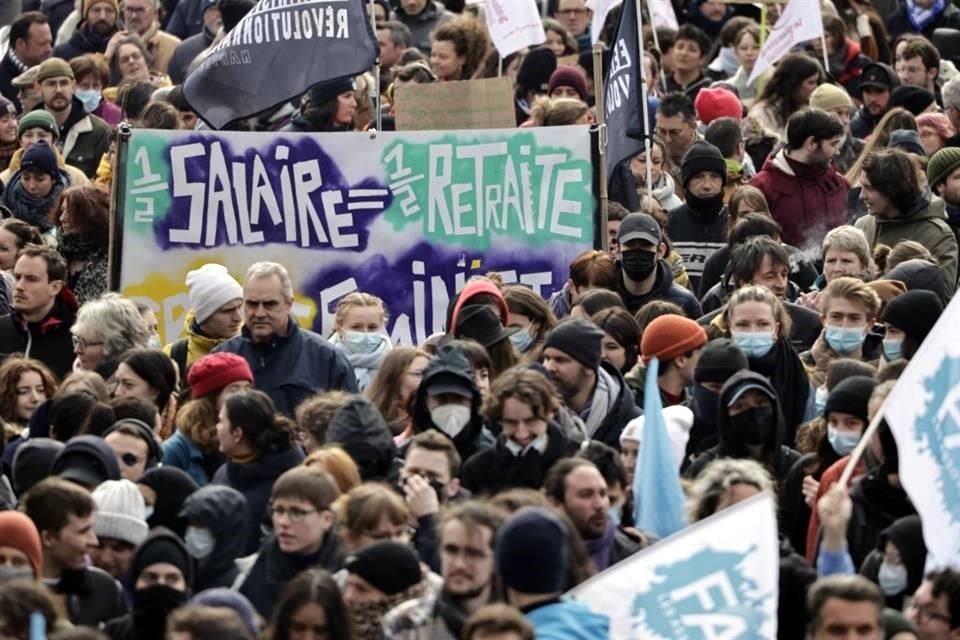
x=715 y=579
x=800 y=21
x=923 y=411
x=600 y=9
x=663 y=15
x=514 y=25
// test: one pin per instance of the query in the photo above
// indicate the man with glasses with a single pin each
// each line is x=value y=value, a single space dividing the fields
x=43 y=311
x=289 y=363
x=467 y=534
x=575 y=16
x=936 y=606
x=140 y=17
x=677 y=126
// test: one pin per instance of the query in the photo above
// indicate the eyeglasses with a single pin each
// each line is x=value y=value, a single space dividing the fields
x=80 y=345
x=926 y=613
x=296 y=515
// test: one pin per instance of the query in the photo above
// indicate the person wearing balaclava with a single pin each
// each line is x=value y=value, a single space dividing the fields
x=164 y=491
x=897 y=564
x=719 y=360
x=908 y=319
x=162 y=576
x=750 y=425
x=699 y=227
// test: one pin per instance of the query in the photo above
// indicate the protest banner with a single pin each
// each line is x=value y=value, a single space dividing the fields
x=715 y=579
x=623 y=93
x=465 y=104
x=277 y=51
x=408 y=217
x=662 y=14
x=514 y=25
x=923 y=412
x=599 y=9
x=796 y=25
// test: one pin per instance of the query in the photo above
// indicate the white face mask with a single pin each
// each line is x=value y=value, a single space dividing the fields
x=450 y=418
x=199 y=542
x=148 y=511
x=154 y=342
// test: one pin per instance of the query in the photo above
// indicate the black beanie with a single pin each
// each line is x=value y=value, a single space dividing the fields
x=579 y=339
x=702 y=156
x=916 y=100
x=162 y=545
x=329 y=90
x=920 y=274
x=388 y=566
x=851 y=395
x=536 y=69
x=914 y=312
x=531 y=551
x=719 y=360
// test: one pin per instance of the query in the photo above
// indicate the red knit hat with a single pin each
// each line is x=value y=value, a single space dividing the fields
x=671 y=336
x=213 y=372
x=717 y=103
x=569 y=76
x=19 y=532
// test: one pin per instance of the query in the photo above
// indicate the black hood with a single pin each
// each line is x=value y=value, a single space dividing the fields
x=450 y=364
x=172 y=486
x=361 y=430
x=730 y=445
x=162 y=545
x=920 y=274
x=906 y=534
x=224 y=511
x=92 y=448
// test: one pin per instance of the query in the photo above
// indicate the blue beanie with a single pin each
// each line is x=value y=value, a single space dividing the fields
x=531 y=553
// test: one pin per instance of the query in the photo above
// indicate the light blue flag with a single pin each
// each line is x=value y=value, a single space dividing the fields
x=658 y=501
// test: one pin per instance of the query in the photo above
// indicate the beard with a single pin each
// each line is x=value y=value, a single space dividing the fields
x=469 y=594
x=102 y=28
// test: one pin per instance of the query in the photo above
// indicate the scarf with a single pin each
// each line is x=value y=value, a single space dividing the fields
x=599 y=548
x=367 y=618
x=783 y=368
x=28 y=208
x=21 y=67
x=920 y=17
x=76 y=246
x=603 y=401
x=365 y=365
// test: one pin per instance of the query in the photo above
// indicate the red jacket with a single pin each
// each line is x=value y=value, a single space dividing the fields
x=806 y=201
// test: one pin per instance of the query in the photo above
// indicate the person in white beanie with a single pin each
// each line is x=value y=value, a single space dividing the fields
x=216 y=306
x=679 y=421
x=120 y=525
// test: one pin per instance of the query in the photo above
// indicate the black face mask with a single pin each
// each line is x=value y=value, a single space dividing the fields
x=638 y=263
x=152 y=605
x=705 y=205
x=705 y=405
x=753 y=426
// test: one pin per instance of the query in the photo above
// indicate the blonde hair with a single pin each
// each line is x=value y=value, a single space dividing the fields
x=557 y=112
x=848 y=238
x=354 y=300
x=757 y=293
x=338 y=464
x=854 y=290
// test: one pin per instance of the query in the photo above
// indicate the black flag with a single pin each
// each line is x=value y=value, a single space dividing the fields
x=622 y=92
x=276 y=52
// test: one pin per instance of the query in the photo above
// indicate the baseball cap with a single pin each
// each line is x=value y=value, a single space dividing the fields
x=449 y=385
x=747 y=387
x=879 y=76
x=639 y=226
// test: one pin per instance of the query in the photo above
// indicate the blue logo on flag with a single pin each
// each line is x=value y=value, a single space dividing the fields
x=722 y=602
x=937 y=431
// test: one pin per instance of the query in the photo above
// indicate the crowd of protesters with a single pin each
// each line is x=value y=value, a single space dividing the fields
x=796 y=243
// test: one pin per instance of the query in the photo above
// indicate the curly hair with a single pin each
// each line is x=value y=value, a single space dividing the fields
x=469 y=38
x=716 y=481
x=527 y=386
x=89 y=208
x=10 y=373
x=116 y=321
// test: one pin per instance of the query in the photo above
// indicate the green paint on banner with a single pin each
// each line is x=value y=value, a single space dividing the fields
x=148 y=182
x=470 y=191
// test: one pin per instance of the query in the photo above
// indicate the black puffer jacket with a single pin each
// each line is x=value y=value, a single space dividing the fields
x=451 y=364
x=224 y=511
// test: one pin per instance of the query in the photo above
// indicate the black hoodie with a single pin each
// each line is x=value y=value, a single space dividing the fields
x=224 y=512
x=452 y=364
x=777 y=458
x=48 y=341
x=906 y=534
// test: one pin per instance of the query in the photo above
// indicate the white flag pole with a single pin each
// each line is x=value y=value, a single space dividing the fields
x=823 y=45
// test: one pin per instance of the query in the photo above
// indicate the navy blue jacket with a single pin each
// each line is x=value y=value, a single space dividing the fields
x=294 y=366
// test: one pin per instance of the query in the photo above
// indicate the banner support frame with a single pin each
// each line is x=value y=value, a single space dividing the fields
x=115 y=244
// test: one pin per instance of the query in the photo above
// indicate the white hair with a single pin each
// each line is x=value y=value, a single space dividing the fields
x=950 y=93
x=116 y=321
x=267 y=269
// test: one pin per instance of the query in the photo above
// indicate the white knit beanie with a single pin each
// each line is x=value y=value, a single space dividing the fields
x=679 y=421
x=120 y=512
x=211 y=286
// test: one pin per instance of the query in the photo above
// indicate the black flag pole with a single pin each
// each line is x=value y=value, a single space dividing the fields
x=601 y=144
x=644 y=98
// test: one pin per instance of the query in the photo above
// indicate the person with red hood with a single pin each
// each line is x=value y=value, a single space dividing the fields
x=478 y=291
x=44 y=309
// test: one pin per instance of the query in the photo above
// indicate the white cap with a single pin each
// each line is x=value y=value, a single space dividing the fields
x=211 y=286
x=120 y=512
x=679 y=421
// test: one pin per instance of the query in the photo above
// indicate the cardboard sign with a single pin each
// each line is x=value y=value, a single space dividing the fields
x=468 y=104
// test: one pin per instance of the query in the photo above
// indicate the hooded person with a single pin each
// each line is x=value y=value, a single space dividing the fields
x=86 y=460
x=17 y=532
x=360 y=429
x=214 y=514
x=750 y=425
x=448 y=401
x=224 y=598
x=593 y=389
x=477 y=291
x=161 y=573
x=897 y=564
x=908 y=319
x=719 y=360
x=32 y=462
x=699 y=227
x=164 y=490
x=921 y=274
x=532 y=560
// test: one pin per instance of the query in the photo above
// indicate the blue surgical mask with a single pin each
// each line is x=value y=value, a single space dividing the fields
x=843 y=442
x=90 y=99
x=199 y=542
x=522 y=340
x=892 y=578
x=360 y=342
x=844 y=340
x=820 y=399
x=893 y=349
x=755 y=344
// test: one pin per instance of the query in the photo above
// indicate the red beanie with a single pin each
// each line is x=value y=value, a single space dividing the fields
x=717 y=103
x=213 y=372
x=671 y=336
x=19 y=532
x=569 y=76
